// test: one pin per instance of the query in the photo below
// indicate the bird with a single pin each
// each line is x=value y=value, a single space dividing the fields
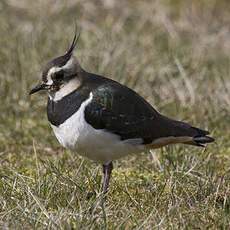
x=103 y=120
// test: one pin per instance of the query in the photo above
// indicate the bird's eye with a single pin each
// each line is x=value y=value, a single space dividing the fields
x=58 y=75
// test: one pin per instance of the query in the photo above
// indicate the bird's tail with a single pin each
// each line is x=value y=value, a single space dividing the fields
x=201 y=137
x=203 y=140
x=180 y=132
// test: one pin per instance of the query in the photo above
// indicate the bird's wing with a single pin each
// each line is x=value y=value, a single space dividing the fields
x=121 y=111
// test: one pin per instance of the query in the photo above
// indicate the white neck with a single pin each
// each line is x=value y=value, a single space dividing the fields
x=66 y=89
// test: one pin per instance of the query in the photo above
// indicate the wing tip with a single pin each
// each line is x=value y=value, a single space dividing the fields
x=200 y=140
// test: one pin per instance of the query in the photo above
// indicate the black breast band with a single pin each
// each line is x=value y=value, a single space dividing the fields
x=58 y=112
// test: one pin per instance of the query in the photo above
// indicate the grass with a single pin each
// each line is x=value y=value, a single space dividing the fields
x=176 y=55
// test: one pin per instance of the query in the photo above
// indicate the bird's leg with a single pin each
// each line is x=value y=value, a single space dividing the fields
x=107 y=170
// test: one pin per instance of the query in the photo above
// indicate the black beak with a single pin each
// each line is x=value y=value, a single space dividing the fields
x=38 y=88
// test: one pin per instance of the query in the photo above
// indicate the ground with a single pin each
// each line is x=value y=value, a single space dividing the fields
x=176 y=55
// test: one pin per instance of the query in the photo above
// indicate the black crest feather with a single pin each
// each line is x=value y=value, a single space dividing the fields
x=61 y=60
x=74 y=43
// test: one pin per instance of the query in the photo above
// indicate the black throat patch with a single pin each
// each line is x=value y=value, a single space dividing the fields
x=59 y=111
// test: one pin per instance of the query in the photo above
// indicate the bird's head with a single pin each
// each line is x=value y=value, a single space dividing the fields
x=60 y=74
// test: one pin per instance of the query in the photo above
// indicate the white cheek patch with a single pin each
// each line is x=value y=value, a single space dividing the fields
x=50 y=73
x=66 y=89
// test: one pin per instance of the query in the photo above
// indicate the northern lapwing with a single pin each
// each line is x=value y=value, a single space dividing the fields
x=104 y=120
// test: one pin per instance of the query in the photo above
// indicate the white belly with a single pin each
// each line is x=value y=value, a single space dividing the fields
x=99 y=145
